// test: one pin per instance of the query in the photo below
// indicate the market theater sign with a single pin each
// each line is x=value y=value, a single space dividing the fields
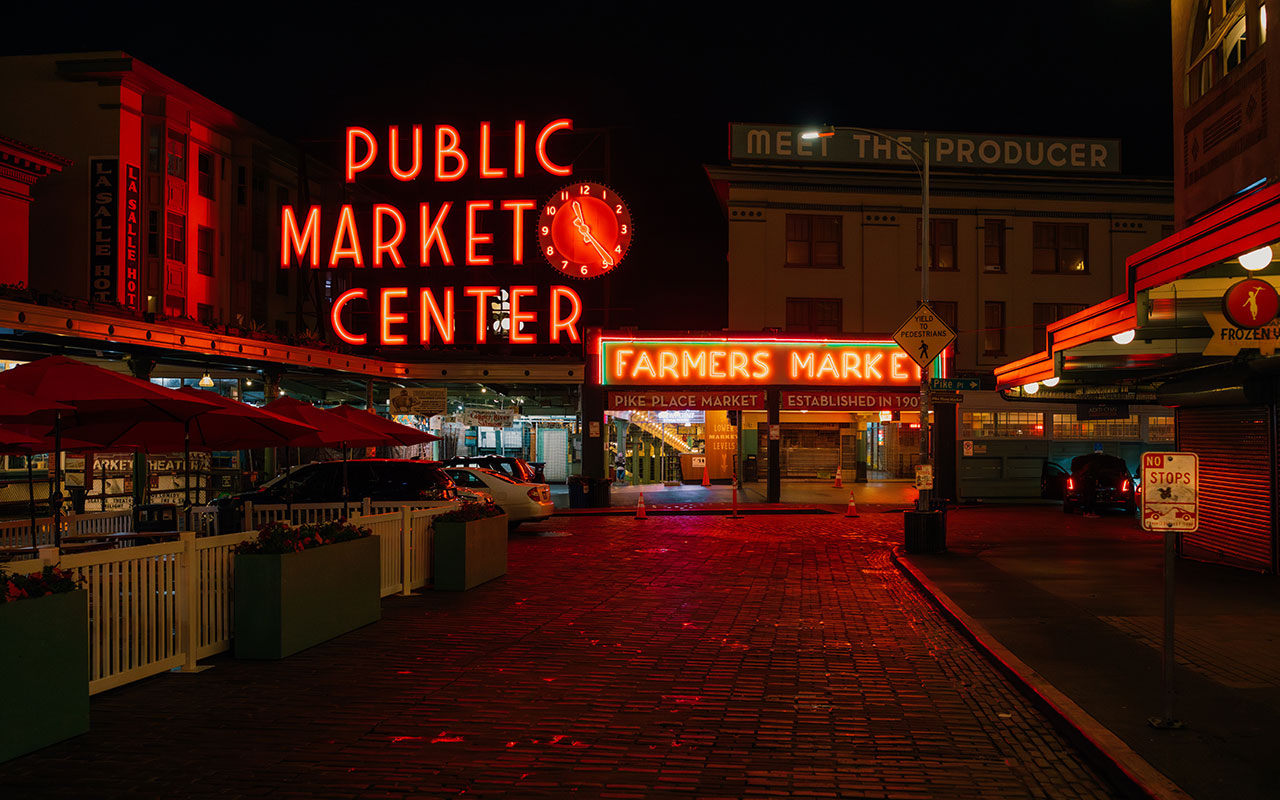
x=759 y=362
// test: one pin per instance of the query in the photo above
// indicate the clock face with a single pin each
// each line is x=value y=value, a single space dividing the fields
x=584 y=230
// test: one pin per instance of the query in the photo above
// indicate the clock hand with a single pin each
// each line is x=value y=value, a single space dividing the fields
x=581 y=225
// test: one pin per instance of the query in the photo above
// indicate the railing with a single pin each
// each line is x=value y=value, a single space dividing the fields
x=158 y=607
x=17 y=532
x=302 y=513
x=101 y=522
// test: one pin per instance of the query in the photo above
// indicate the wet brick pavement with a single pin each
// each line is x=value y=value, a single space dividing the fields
x=774 y=656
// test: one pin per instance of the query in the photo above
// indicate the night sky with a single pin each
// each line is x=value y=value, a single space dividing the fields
x=665 y=83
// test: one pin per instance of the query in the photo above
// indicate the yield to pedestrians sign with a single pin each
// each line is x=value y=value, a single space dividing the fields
x=924 y=335
x=1170 y=491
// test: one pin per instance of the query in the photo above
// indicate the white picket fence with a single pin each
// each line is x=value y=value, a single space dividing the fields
x=17 y=532
x=205 y=519
x=163 y=606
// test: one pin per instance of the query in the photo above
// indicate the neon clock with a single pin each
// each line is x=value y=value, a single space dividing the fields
x=584 y=230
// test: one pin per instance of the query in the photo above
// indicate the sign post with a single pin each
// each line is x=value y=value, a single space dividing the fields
x=1171 y=504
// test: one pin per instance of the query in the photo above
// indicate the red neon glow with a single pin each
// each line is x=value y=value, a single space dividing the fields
x=389 y=318
x=449 y=150
x=584 y=230
x=294 y=243
x=541 y=148
x=335 y=316
x=485 y=170
x=517 y=209
x=482 y=295
x=434 y=234
x=346 y=230
x=381 y=245
x=393 y=158
x=433 y=315
x=518 y=316
x=517 y=170
x=475 y=237
x=559 y=322
x=354 y=166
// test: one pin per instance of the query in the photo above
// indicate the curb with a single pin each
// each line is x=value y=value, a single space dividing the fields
x=1104 y=750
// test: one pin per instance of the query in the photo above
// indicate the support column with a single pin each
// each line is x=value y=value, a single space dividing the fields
x=593 y=432
x=946 y=481
x=140 y=367
x=270 y=391
x=773 y=486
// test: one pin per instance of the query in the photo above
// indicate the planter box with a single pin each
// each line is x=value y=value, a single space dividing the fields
x=44 y=671
x=468 y=554
x=287 y=603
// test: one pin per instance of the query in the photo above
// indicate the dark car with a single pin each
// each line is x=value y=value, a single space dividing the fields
x=515 y=468
x=1109 y=479
x=1053 y=481
x=379 y=479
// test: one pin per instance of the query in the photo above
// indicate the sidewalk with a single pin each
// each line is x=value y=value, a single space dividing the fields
x=1079 y=602
x=823 y=493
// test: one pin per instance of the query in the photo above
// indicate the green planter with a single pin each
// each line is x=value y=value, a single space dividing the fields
x=467 y=554
x=287 y=603
x=44 y=671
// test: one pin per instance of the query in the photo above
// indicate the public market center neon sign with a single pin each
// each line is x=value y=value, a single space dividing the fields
x=407 y=156
x=759 y=362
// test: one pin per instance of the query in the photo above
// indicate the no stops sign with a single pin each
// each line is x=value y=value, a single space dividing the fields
x=1170 y=492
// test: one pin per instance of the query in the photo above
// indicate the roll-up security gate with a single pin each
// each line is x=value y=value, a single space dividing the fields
x=1234 y=444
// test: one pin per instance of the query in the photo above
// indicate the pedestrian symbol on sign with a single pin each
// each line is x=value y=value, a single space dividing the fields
x=924 y=350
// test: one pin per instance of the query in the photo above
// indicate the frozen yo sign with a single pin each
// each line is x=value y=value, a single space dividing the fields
x=1251 y=303
x=1170 y=492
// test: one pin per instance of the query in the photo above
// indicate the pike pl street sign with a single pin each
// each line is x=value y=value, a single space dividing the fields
x=924 y=335
x=955 y=384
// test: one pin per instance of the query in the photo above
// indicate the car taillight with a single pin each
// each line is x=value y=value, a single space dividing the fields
x=535 y=494
x=1124 y=487
x=1071 y=485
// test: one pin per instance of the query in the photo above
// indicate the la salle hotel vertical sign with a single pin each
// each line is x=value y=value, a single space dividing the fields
x=464 y=232
x=114 y=220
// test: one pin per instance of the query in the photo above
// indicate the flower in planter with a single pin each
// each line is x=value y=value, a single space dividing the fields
x=471 y=510
x=50 y=580
x=280 y=537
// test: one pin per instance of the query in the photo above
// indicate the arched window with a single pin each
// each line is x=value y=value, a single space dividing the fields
x=1220 y=41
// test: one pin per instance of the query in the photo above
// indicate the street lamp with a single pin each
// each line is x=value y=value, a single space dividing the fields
x=921 y=164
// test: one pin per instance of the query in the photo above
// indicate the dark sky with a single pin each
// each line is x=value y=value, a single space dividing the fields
x=665 y=82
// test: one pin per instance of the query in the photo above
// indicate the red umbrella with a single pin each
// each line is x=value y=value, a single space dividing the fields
x=401 y=435
x=331 y=430
x=14 y=443
x=31 y=410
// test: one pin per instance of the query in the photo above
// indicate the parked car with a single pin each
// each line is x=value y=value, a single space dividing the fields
x=511 y=466
x=521 y=500
x=1053 y=481
x=1108 y=477
x=379 y=479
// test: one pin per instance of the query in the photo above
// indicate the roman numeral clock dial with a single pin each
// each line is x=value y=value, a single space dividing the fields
x=584 y=230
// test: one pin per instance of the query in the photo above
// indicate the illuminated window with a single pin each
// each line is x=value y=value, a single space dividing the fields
x=175 y=238
x=177 y=155
x=1160 y=428
x=813 y=240
x=1066 y=426
x=814 y=315
x=204 y=250
x=1042 y=314
x=942 y=243
x=204 y=173
x=1060 y=247
x=993 y=245
x=1001 y=425
x=993 y=328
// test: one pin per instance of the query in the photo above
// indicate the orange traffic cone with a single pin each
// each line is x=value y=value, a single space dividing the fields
x=852 y=510
x=838 y=484
x=640 y=508
x=706 y=476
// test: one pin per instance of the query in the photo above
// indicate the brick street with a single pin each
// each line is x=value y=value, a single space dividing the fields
x=775 y=656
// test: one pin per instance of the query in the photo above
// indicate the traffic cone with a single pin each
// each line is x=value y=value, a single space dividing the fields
x=852 y=510
x=706 y=476
x=640 y=508
x=838 y=484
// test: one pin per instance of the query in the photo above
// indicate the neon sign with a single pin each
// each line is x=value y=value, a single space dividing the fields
x=759 y=361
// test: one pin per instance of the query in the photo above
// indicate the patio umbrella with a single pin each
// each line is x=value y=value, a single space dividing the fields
x=331 y=429
x=97 y=395
x=402 y=435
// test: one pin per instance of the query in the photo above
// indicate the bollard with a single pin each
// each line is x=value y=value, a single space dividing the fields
x=735 y=514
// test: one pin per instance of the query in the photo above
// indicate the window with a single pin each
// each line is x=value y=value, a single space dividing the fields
x=1219 y=42
x=1060 y=247
x=1042 y=314
x=813 y=315
x=153 y=233
x=993 y=245
x=154 y=159
x=204 y=313
x=993 y=328
x=177 y=161
x=175 y=238
x=204 y=174
x=1066 y=426
x=1001 y=425
x=813 y=240
x=1160 y=428
x=204 y=250
x=942 y=243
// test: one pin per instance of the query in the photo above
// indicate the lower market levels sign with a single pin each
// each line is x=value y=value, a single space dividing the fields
x=669 y=401
x=848 y=400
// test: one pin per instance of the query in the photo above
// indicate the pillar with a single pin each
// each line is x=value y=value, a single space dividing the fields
x=773 y=486
x=593 y=432
x=945 y=480
x=140 y=367
x=270 y=391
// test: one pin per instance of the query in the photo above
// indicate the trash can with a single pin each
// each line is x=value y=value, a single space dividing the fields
x=588 y=492
x=231 y=517
x=751 y=468
x=599 y=493
x=155 y=518
x=577 y=491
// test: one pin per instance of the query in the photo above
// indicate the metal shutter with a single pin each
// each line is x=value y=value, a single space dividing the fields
x=1236 y=454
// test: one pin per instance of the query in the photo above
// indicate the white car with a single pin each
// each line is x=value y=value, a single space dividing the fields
x=521 y=501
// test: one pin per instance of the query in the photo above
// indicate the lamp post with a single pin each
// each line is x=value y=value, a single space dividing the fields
x=921 y=163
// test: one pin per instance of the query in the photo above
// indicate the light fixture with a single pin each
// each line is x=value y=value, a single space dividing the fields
x=484 y=389
x=205 y=381
x=281 y=393
x=1051 y=382
x=248 y=381
x=1031 y=388
x=1124 y=337
x=1255 y=260
x=825 y=132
